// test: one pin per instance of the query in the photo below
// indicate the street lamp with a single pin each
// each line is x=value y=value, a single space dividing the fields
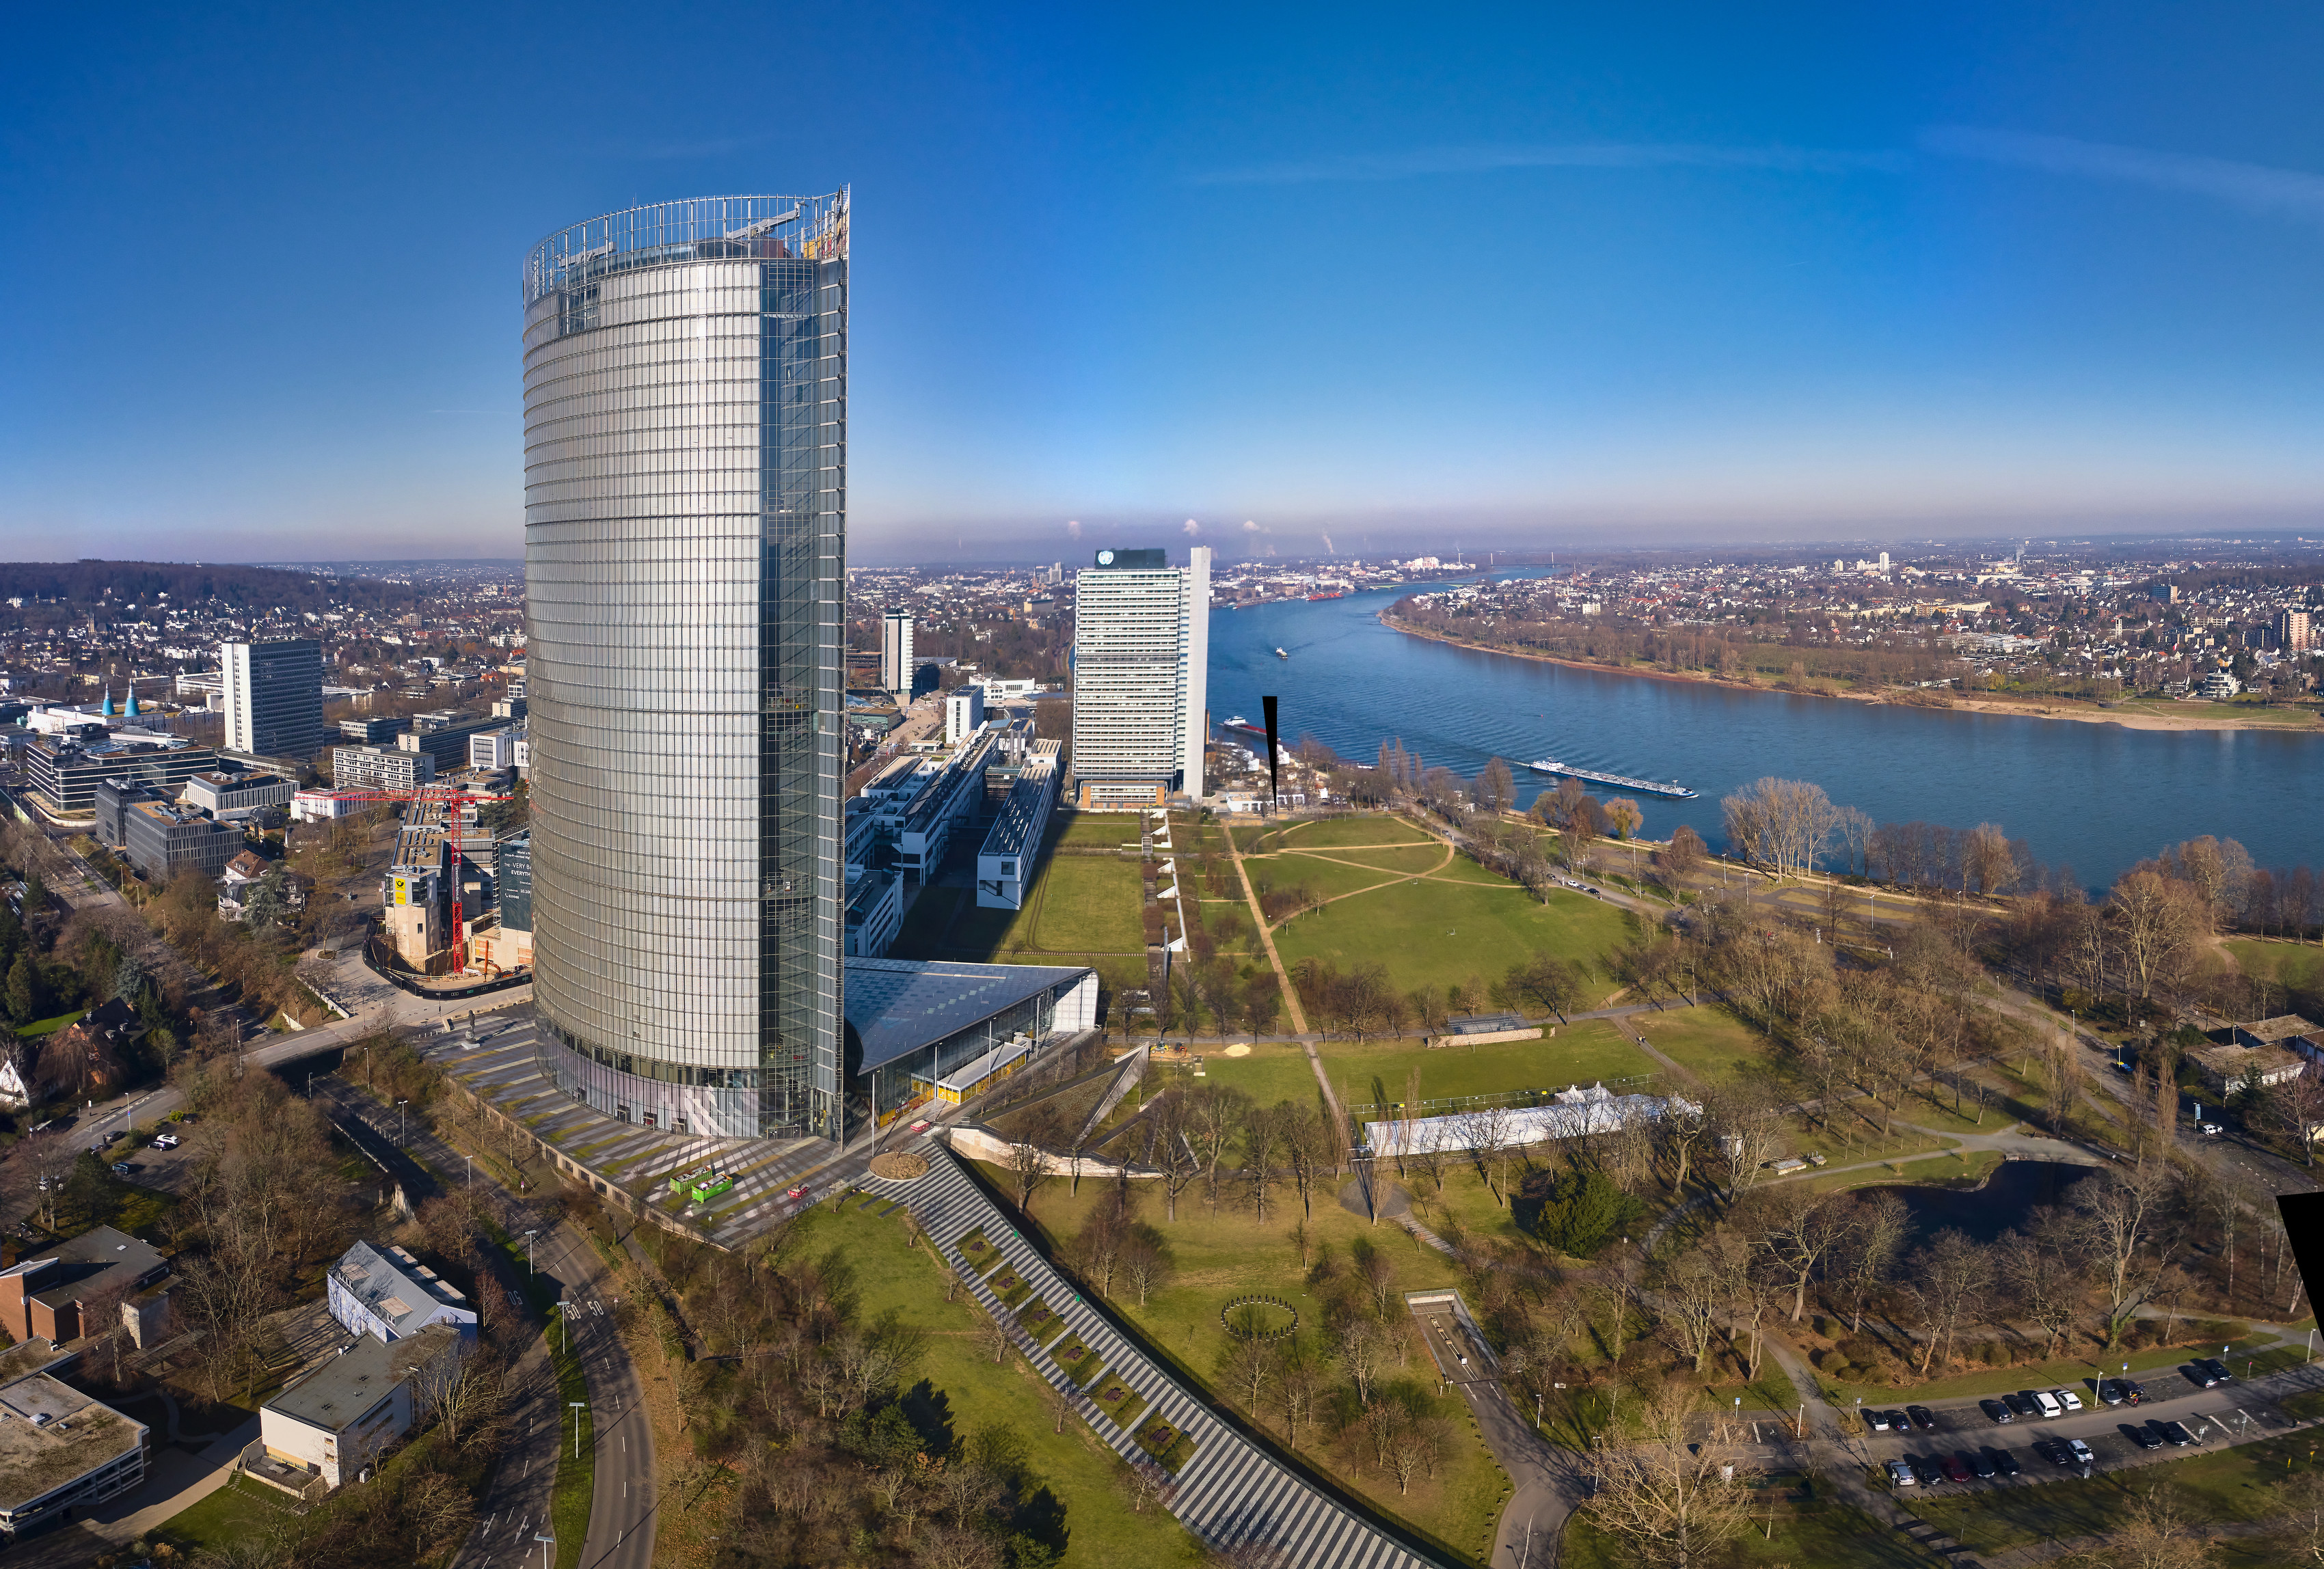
x=400 y=1120
x=547 y=1542
x=528 y=1252
x=471 y=1160
x=578 y=1407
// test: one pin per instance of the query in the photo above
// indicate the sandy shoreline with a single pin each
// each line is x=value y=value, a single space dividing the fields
x=2065 y=709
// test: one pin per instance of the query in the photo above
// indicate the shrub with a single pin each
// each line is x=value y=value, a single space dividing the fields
x=1580 y=1210
x=1836 y=1368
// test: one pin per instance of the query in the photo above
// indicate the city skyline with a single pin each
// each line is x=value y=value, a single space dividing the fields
x=1826 y=278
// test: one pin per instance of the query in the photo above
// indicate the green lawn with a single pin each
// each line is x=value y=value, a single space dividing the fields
x=1445 y=933
x=1708 y=1041
x=2288 y=964
x=1274 y=1071
x=1415 y=858
x=1219 y=1255
x=49 y=1026
x=1586 y=1053
x=1085 y=904
x=1353 y=830
x=240 y=1511
x=1097 y=830
x=1325 y=879
x=892 y=1275
x=2081 y=1372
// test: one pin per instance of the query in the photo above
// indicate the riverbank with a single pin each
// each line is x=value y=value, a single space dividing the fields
x=2136 y=714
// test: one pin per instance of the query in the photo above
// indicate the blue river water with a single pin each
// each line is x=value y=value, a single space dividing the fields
x=2092 y=797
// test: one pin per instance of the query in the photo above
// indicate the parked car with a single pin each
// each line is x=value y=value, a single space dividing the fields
x=2019 y=1406
x=1997 y=1413
x=2045 y=1403
x=1898 y=1422
x=1955 y=1468
x=2176 y=1434
x=1877 y=1420
x=1981 y=1461
x=1926 y=1470
x=2201 y=1375
x=2211 y=1130
x=2054 y=1451
x=2007 y=1462
x=2111 y=1391
x=166 y=1140
x=2067 y=1399
x=2216 y=1369
x=2081 y=1452
x=1923 y=1417
x=1900 y=1474
x=2137 y=1390
x=123 y=1168
x=2143 y=1435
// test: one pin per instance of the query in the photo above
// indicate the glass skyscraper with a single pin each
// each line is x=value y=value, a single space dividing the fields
x=685 y=505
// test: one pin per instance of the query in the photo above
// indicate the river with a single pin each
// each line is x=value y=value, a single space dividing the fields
x=2095 y=798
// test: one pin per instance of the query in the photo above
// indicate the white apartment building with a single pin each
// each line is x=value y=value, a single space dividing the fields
x=1141 y=658
x=274 y=694
x=896 y=651
x=379 y=768
x=964 y=714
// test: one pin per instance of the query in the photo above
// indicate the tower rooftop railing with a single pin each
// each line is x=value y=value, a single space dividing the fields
x=731 y=228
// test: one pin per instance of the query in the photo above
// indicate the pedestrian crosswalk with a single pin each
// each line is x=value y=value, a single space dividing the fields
x=1229 y=1492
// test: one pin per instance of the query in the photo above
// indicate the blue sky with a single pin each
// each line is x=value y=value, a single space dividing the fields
x=1515 y=277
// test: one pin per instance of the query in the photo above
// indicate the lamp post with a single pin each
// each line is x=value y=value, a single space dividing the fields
x=400 y=1123
x=528 y=1252
x=547 y=1542
x=471 y=1160
x=578 y=1407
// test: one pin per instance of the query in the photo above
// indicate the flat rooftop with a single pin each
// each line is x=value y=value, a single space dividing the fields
x=51 y=1434
x=338 y=1393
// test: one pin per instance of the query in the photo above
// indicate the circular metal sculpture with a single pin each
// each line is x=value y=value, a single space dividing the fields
x=1248 y=1319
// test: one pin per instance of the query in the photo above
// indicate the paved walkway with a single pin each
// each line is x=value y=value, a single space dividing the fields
x=1230 y=1492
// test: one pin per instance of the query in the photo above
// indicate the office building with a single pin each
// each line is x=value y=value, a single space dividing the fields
x=227 y=796
x=493 y=749
x=389 y=768
x=157 y=836
x=1141 y=654
x=685 y=451
x=896 y=667
x=387 y=1293
x=1012 y=846
x=875 y=911
x=372 y=732
x=2293 y=632
x=61 y=770
x=445 y=736
x=330 y=1424
x=273 y=697
x=964 y=714
x=60 y=1450
x=42 y=1297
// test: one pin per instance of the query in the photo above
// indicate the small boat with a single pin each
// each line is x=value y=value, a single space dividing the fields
x=1334 y=594
x=1239 y=723
x=1280 y=653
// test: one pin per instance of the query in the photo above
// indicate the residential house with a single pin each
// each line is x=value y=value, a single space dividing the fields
x=45 y=1296
x=390 y=1294
x=342 y=1417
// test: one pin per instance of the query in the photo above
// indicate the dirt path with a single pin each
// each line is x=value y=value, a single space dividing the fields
x=1369 y=888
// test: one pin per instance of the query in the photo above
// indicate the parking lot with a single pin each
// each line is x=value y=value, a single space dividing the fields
x=2172 y=1419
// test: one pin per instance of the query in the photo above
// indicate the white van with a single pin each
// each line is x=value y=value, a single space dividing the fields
x=2048 y=1405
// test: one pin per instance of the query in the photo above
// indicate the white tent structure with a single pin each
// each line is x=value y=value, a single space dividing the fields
x=1574 y=1113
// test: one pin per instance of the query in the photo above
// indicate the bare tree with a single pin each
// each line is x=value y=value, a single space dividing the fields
x=1029 y=1170
x=2152 y=1531
x=1948 y=1279
x=1749 y=1127
x=1214 y=1117
x=1799 y=1228
x=1781 y=824
x=1881 y=1224
x=1168 y=1150
x=1362 y=1352
x=2115 y=1214
x=1671 y=1499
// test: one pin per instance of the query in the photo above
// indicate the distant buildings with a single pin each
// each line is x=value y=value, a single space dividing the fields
x=227 y=796
x=372 y=732
x=1142 y=657
x=896 y=667
x=685 y=450
x=493 y=749
x=273 y=697
x=61 y=771
x=2294 y=634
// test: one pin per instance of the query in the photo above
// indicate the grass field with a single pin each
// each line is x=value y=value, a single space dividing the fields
x=1088 y=905
x=1326 y=879
x=1585 y=1053
x=1097 y=830
x=2289 y=964
x=1354 y=831
x=1708 y=1041
x=1388 y=859
x=48 y=1026
x=1221 y=1255
x=891 y=1274
x=1446 y=933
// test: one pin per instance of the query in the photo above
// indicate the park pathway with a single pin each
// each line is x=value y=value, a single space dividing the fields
x=1230 y=1494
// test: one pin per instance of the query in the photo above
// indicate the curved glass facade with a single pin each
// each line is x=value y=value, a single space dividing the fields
x=686 y=503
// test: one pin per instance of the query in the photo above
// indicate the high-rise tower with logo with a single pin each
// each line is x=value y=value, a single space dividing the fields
x=686 y=504
x=1141 y=662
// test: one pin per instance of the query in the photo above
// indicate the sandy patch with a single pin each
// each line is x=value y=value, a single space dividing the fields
x=1237 y=1049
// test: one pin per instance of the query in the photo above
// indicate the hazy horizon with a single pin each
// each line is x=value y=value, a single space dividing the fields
x=1521 y=281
